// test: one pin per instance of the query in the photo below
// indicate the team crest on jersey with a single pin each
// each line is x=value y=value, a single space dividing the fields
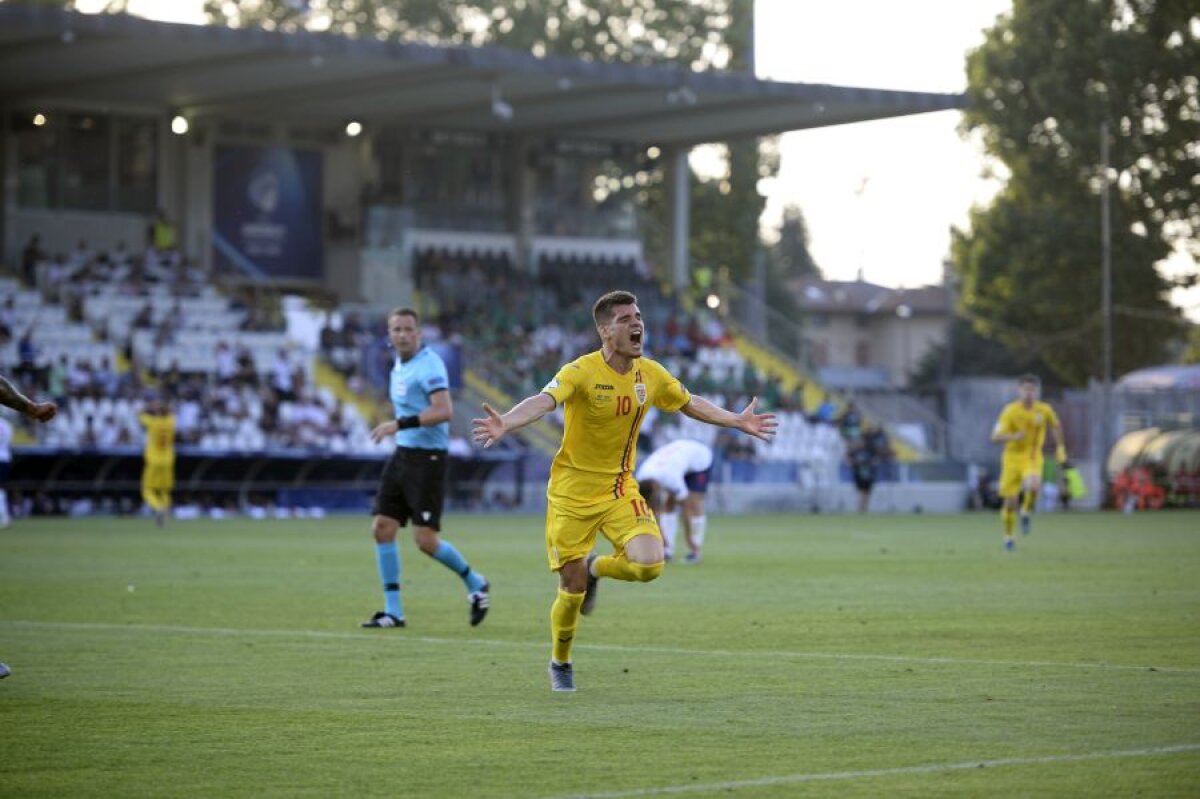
x=639 y=391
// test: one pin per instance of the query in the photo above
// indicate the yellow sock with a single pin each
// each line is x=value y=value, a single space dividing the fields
x=1009 y=516
x=1028 y=501
x=564 y=617
x=152 y=497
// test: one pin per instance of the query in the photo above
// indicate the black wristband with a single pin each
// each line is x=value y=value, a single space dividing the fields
x=405 y=422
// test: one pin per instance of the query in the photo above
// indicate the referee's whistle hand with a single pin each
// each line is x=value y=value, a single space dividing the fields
x=384 y=430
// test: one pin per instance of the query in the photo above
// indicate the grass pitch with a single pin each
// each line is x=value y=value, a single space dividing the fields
x=808 y=656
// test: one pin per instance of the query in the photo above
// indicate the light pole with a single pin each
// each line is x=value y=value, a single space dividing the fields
x=1105 y=296
x=904 y=312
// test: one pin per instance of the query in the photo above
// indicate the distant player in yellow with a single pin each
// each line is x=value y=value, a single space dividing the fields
x=158 y=473
x=605 y=396
x=1022 y=428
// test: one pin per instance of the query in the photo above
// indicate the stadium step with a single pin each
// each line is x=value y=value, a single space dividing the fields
x=325 y=376
x=791 y=378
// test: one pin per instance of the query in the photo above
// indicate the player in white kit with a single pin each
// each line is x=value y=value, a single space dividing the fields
x=677 y=475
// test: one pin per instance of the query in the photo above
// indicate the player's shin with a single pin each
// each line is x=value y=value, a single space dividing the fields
x=564 y=618
x=1009 y=517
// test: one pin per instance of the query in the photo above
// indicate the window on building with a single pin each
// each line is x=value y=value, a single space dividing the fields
x=862 y=353
x=86 y=161
x=820 y=353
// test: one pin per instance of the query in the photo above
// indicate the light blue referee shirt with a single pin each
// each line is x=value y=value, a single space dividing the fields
x=412 y=383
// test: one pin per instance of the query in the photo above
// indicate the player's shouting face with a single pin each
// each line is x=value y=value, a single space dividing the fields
x=626 y=332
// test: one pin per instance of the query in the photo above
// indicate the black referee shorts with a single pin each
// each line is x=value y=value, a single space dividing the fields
x=413 y=487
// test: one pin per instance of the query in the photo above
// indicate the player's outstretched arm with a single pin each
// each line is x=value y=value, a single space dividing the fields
x=10 y=397
x=493 y=427
x=759 y=425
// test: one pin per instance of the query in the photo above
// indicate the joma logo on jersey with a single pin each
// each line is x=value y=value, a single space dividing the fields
x=603 y=387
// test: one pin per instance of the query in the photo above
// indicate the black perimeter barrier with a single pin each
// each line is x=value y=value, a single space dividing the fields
x=54 y=480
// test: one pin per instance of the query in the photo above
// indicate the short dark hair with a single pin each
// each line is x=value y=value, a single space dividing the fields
x=1029 y=377
x=602 y=311
x=405 y=311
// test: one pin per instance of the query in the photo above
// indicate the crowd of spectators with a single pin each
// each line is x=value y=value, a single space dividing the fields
x=225 y=399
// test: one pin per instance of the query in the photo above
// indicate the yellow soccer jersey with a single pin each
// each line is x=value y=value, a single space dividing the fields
x=160 y=439
x=1033 y=422
x=604 y=411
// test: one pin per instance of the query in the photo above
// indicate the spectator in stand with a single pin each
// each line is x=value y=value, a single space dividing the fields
x=90 y=438
x=26 y=370
x=825 y=410
x=79 y=378
x=850 y=422
x=171 y=381
x=188 y=426
x=247 y=370
x=144 y=319
x=104 y=379
x=31 y=257
x=281 y=376
x=162 y=233
x=226 y=368
x=80 y=258
x=56 y=380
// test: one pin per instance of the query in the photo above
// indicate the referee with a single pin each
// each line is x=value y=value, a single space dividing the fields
x=414 y=481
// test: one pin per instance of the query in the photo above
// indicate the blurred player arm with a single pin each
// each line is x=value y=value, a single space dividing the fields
x=759 y=425
x=1004 y=430
x=12 y=398
x=1060 y=442
x=493 y=427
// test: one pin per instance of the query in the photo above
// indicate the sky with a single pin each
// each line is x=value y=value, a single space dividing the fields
x=879 y=197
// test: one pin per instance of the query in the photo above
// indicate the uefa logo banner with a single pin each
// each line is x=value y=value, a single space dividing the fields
x=267 y=212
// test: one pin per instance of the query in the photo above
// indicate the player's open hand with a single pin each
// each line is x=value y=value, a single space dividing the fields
x=489 y=429
x=759 y=425
x=43 y=411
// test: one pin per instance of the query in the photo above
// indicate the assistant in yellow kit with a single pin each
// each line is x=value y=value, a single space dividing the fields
x=158 y=471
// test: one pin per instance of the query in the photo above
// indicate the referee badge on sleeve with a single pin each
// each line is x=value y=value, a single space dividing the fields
x=639 y=391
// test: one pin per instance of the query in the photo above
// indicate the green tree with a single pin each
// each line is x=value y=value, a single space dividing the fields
x=975 y=355
x=789 y=256
x=687 y=33
x=1042 y=83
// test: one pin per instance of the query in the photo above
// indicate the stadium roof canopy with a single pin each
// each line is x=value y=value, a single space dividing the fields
x=52 y=56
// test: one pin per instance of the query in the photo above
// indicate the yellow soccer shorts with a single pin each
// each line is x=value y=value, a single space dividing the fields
x=1015 y=474
x=158 y=478
x=571 y=532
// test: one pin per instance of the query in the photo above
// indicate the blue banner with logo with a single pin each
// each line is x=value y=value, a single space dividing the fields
x=267 y=212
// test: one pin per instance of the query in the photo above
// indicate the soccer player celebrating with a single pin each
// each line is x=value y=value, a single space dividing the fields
x=158 y=470
x=674 y=476
x=1022 y=428
x=413 y=482
x=605 y=396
